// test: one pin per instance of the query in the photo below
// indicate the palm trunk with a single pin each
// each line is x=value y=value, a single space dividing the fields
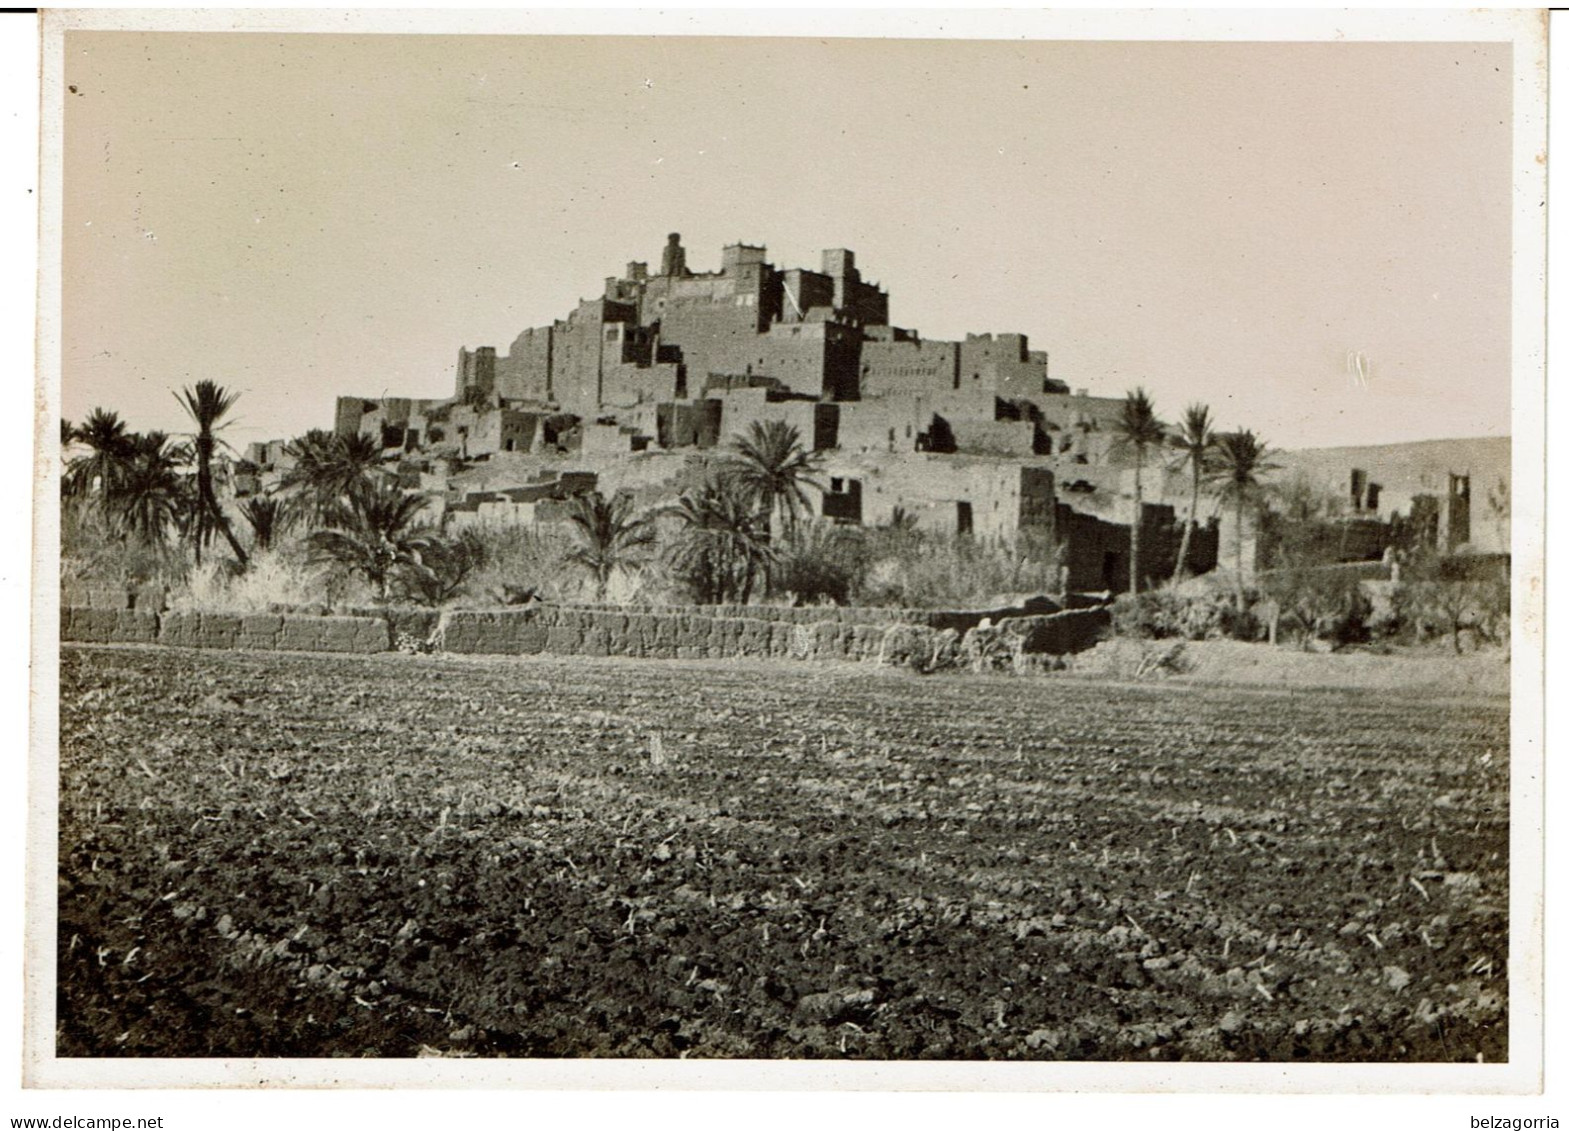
x=1138 y=521
x=207 y=504
x=1239 y=547
x=1187 y=529
x=749 y=576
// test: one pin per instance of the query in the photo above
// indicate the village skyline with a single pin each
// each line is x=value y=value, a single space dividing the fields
x=323 y=220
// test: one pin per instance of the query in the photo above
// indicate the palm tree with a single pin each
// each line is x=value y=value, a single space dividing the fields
x=1240 y=462
x=110 y=449
x=207 y=404
x=1138 y=429
x=609 y=536
x=445 y=565
x=1193 y=439
x=373 y=534
x=267 y=519
x=773 y=468
x=328 y=470
x=151 y=494
x=725 y=542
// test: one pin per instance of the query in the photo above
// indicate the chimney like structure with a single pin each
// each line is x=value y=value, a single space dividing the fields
x=674 y=260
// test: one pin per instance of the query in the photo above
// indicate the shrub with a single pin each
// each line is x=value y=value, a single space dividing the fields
x=520 y=561
x=995 y=647
x=818 y=563
x=1450 y=596
x=918 y=648
x=1133 y=659
x=445 y=566
x=908 y=569
x=723 y=547
x=1321 y=604
x=1164 y=614
x=91 y=552
x=274 y=578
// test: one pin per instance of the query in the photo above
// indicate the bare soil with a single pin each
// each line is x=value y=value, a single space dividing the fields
x=298 y=855
x=1429 y=671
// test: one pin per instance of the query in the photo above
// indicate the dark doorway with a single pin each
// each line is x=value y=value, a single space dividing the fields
x=1110 y=567
x=966 y=520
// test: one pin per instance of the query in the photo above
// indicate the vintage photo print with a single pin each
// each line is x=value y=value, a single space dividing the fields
x=892 y=551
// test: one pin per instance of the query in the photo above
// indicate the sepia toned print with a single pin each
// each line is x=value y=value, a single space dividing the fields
x=779 y=550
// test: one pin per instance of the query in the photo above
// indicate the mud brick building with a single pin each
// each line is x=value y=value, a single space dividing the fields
x=971 y=437
x=684 y=357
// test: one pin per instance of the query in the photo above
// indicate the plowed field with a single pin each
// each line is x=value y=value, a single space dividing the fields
x=290 y=855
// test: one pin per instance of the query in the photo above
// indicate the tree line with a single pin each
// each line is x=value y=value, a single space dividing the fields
x=732 y=534
x=352 y=512
x=1233 y=465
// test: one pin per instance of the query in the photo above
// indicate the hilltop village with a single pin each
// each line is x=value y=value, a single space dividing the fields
x=635 y=389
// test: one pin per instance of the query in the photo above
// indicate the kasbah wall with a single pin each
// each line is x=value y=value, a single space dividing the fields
x=878 y=636
x=972 y=437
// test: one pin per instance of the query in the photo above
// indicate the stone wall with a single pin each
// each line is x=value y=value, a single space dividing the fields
x=270 y=632
x=107 y=626
x=1060 y=634
x=144 y=598
x=687 y=633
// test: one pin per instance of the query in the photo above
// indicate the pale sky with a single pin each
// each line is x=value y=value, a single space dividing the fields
x=299 y=216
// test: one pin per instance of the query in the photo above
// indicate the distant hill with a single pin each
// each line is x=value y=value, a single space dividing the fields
x=1419 y=468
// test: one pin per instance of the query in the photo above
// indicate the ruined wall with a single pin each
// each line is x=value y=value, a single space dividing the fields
x=816 y=423
x=625 y=382
x=695 y=424
x=892 y=423
x=524 y=374
x=348 y=413
x=504 y=430
x=989 y=499
x=274 y=632
x=1079 y=409
x=578 y=353
x=805 y=290
x=717 y=632
x=602 y=440
x=1005 y=365
x=1014 y=438
x=576 y=344
x=107 y=626
x=907 y=366
x=1454 y=519
x=1248 y=533
x=1098 y=553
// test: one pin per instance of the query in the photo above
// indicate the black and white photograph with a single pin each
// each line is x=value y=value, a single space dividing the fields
x=859 y=552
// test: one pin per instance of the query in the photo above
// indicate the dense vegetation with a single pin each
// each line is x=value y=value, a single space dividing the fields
x=340 y=527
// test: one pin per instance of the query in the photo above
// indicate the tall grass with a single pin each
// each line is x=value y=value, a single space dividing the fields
x=91 y=554
x=929 y=571
x=523 y=559
x=274 y=578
